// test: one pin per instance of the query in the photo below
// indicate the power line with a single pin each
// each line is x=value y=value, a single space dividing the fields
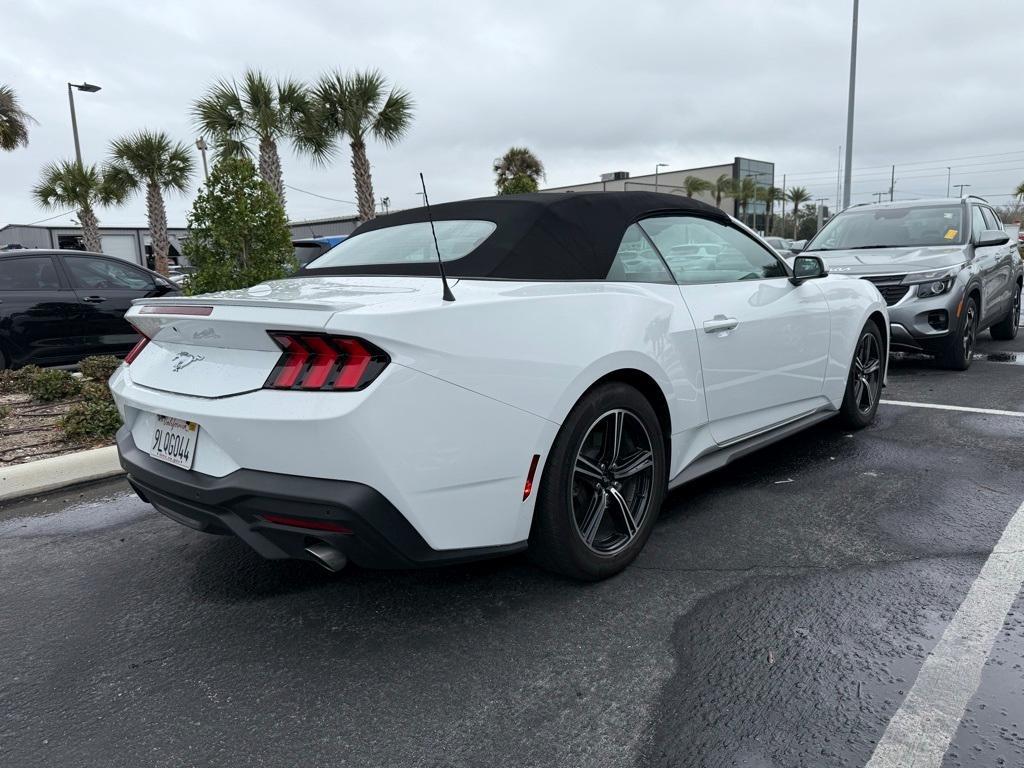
x=830 y=171
x=49 y=218
x=324 y=197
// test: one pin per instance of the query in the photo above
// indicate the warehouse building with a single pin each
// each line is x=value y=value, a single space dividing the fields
x=671 y=181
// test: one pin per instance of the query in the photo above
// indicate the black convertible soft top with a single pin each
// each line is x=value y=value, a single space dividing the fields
x=539 y=236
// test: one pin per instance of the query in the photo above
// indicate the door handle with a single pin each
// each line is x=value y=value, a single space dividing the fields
x=95 y=299
x=720 y=323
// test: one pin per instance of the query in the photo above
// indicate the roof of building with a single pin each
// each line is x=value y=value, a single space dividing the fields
x=540 y=236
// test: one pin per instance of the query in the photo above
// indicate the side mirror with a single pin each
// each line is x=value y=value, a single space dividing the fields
x=807 y=268
x=992 y=237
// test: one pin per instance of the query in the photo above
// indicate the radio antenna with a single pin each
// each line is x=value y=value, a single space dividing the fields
x=446 y=293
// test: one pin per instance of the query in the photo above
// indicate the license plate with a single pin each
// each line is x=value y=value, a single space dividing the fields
x=174 y=441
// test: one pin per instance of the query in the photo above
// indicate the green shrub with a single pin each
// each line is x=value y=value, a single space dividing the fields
x=52 y=384
x=23 y=377
x=90 y=420
x=5 y=411
x=9 y=382
x=99 y=367
x=94 y=391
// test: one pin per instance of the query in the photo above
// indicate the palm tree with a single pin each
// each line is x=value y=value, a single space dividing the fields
x=150 y=160
x=358 y=106
x=797 y=196
x=66 y=184
x=1019 y=192
x=14 y=120
x=744 y=190
x=768 y=195
x=517 y=170
x=263 y=112
x=694 y=185
x=721 y=187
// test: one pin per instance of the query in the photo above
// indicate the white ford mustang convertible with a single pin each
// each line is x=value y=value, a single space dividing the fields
x=600 y=349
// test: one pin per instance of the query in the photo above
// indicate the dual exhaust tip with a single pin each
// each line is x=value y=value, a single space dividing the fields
x=327 y=556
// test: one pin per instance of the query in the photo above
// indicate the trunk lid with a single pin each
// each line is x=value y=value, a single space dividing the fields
x=226 y=350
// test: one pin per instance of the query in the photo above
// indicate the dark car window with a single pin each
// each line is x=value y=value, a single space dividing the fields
x=305 y=253
x=89 y=274
x=36 y=273
x=636 y=261
x=977 y=222
x=703 y=251
x=991 y=220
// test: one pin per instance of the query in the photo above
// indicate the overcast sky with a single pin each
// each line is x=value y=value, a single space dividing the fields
x=589 y=86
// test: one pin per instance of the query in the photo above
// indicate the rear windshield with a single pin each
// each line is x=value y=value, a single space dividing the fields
x=407 y=244
x=306 y=252
x=892 y=228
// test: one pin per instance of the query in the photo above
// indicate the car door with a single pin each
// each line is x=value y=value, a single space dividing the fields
x=986 y=264
x=106 y=288
x=763 y=341
x=37 y=310
x=1002 y=283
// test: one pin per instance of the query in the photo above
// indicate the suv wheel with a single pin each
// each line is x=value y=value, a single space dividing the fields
x=602 y=486
x=960 y=345
x=1006 y=329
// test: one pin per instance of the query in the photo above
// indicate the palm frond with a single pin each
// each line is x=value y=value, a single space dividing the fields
x=394 y=118
x=66 y=184
x=150 y=157
x=14 y=120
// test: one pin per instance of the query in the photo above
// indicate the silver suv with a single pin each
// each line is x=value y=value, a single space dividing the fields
x=946 y=268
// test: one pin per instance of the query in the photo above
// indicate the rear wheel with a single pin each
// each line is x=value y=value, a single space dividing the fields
x=602 y=487
x=1006 y=329
x=864 y=384
x=959 y=349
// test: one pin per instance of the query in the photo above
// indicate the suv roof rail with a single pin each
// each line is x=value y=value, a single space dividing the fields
x=975 y=197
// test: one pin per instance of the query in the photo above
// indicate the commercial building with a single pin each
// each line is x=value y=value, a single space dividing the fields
x=671 y=181
x=128 y=243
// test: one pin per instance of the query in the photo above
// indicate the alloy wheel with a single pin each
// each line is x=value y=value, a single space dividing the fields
x=612 y=480
x=867 y=371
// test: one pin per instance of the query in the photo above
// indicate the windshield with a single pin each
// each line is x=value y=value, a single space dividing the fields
x=407 y=244
x=892 y=228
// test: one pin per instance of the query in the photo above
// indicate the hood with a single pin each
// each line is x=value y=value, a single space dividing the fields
x=893 y=261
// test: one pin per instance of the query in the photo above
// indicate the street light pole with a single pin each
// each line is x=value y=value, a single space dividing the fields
x=847 y=174
x=949 y=173
x=202 y=146
x=74 y=119
x=659 y=165
x=961 y=188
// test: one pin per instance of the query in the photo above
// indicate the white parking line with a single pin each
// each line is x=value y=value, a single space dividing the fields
x=964 y=408
x=919 y=733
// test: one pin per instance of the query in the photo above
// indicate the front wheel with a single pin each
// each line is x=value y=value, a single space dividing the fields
x=959 y=349
x=602 y=487
x=1006 y=329
x=864 y=384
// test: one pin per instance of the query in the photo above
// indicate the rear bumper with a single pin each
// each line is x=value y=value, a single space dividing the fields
x=380 y=537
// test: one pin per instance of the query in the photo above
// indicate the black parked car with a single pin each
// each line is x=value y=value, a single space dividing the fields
x=57 y=307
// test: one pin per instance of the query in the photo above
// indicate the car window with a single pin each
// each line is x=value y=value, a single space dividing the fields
x=977 y=222
x=28 y=274
x=991 y=220
x=305 y=253
x=891 y=227
x=415 y=243
x=703 y=251
x=106 y=275
x=636 y=261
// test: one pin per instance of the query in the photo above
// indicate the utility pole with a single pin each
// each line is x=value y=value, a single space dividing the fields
x=839 y=173
x=949 y=173
x=86 y=88
x=849 y=109
x=961 y=187
x=202 y=146
x=892 y=184
x=821 y=211
x=658 y=167
x=783 y=204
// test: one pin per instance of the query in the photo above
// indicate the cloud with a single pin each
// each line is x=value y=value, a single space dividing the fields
x=590 y=86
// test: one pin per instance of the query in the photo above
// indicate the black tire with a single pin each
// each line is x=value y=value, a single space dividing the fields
x=864 y=384
x=958 y=351
x=587 y=491
x=1006 y=329
x=4 y=362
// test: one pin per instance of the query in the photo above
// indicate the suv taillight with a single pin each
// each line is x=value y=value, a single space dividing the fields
x=317 y=361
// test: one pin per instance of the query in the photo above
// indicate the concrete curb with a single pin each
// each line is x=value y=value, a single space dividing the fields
x=35 y=477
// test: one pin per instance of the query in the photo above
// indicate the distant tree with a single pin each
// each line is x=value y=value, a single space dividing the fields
x=768 y=195
x=808 y=226
x=721 y=187
x=357 y=107
x=237 y=231
x=797 y=196
x=1019 y=192
x=518 y=170
x=744 y=190
x=14 y=120
x=694 y=185
x=258 y=110
x=66 y=184
x=150 y=161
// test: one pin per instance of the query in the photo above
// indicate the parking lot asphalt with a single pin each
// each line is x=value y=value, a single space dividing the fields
x=778 y=617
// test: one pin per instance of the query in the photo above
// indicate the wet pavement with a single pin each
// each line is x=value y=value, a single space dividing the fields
x=778 y=616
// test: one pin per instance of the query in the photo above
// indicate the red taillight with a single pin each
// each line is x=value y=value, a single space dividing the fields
x=301 y=522
x=317 y=361
x=136 y=350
